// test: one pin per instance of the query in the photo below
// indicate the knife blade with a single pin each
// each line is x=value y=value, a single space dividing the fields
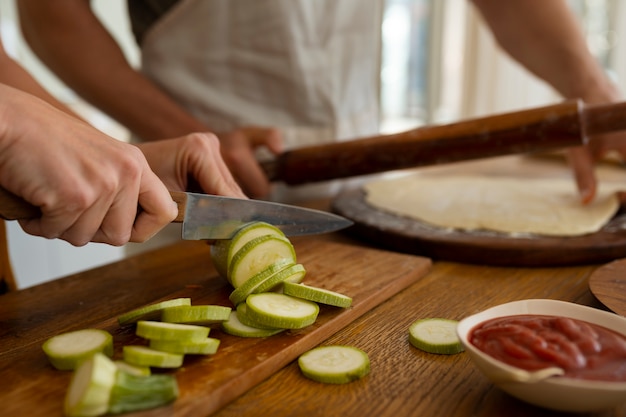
x=540 y=129
x=212 y=217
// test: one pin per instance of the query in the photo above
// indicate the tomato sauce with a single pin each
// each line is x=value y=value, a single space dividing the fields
x=584 y=350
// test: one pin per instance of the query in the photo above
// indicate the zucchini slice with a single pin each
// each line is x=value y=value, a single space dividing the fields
x=65 y=351
x=258 y=254
x=223 y=251
x=334 y=364
x=319 y=295
x=435 y=335
x=152 y=311
x=281 y=311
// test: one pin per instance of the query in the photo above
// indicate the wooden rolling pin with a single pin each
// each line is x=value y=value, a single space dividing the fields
x=542 y=129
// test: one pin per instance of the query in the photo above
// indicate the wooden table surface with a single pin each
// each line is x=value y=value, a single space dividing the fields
x=403 y=380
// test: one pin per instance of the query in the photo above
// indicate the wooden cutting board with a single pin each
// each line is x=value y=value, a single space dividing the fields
x=408 y=235
x=369 y=276
x=608 y=284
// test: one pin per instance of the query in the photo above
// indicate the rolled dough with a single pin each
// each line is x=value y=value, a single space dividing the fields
x=504 y=204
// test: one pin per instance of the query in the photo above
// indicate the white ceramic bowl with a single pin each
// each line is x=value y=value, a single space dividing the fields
x=557 y=393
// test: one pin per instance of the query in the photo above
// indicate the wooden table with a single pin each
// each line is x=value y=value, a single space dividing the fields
x=403 y=380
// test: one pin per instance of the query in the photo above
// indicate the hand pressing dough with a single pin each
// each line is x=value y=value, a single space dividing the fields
x=504 y=204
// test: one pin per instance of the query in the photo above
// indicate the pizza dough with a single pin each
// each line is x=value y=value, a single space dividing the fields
x=504 y=204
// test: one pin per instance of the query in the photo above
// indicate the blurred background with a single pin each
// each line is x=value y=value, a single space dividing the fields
x=440 y=64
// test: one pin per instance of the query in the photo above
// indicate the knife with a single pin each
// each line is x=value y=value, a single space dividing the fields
x=539 y=129
x=212 y=217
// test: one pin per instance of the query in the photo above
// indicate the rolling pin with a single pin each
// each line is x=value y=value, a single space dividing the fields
x=541 y=129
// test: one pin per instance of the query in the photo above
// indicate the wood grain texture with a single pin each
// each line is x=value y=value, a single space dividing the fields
x=405 y=381
x=97 y=297
x=608 y=284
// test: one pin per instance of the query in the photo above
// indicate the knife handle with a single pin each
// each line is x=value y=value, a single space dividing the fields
x=181 y=201
x=13 y=207
x=539 y=129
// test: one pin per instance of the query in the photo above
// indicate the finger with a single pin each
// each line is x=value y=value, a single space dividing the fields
x=57 y=218
x=263 y=136
x=117 y=223
x=214 y=175
x=157 y=208
x=581 y=161
x=250 y=175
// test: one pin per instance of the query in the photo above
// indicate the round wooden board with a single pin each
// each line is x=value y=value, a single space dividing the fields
x=408 y=235
x=608 y=284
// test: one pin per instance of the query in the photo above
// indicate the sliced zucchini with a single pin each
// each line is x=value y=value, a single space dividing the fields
x=291 y=273
x=132 y=369
x=334 y=364
x=170 y=331
x=258 y=254
x=235 y=327
x=198 y=314
x=240 y=294
x=244 y=318
x=281 y=311
x=319 y=295
x=223 y=251
x=65 y=351
x=435 y=335
x=90 y=388
x=152 y=311
x=145 y=356
x=206 y=346
x=134 y=393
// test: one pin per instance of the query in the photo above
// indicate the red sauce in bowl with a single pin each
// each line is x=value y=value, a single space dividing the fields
x=584 y=350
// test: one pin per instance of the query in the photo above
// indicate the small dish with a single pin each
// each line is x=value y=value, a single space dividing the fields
x=548 y=391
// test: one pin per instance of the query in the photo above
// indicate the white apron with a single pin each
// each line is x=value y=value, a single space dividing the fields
x=308 y=67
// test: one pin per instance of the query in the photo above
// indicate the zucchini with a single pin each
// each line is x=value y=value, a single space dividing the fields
x=223 y=251
x=292 y=273
x=200 y=314
x=99 y=387
x=133 y=369
x=240 y=294
x=244 y=318
x=152 y=311
x=319 y=295
x=65 y=351
x=235 y=327
x=258 y=254
x=435 y=335
x=170 y=331
x=206 y=346
x=281 y=311
x=334 y=364
x=146 y=356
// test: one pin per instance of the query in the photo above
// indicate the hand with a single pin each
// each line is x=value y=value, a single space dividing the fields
x=238 y=149
x=196 y=155
x=87 y=185
x=582 y=159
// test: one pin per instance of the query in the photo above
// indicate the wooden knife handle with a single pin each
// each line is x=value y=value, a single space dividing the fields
x=13 y=207
x=538 y=129
x=181 y=201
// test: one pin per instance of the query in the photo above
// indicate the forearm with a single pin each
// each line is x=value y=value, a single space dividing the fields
x=14 y=75
x=72 y=42
x=545 y=37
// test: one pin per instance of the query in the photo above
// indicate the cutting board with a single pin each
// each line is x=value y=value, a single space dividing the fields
x=408 y=235
x=370 y=276
x=608 y=284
